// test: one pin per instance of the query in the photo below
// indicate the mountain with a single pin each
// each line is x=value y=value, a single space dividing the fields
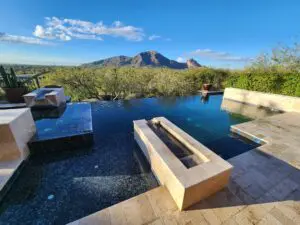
x=192 y=63
x=116 y=61
x=143 y=59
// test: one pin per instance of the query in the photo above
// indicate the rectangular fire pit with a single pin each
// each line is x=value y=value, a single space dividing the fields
x=45 y=97
x=188 y=177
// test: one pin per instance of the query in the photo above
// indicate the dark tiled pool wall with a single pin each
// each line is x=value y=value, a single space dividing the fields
x=48 y=113
x=62 y=144
x=10 y=182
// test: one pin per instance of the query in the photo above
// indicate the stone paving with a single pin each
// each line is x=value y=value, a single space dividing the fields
x=264 y=187
x=281 y=133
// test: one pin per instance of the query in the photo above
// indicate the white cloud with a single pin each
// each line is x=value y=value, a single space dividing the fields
x=181 y=59
x=216 y=55
x=22 y=39
x=153 y=37
x=66 y=29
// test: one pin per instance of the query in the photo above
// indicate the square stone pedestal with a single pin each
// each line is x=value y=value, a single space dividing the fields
x=16 y=129
x=45 y=97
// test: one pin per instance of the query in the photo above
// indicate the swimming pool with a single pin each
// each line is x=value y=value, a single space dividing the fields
x=60 y=187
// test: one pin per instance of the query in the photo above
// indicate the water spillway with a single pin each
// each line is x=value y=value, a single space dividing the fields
x=189 y=170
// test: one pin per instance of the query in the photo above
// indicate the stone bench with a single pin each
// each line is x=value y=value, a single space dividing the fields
x=16 y=129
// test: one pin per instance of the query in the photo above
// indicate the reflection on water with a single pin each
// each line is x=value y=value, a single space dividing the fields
x=250 y=111
x=170 y=102
x=48 y=113
x=204 y=98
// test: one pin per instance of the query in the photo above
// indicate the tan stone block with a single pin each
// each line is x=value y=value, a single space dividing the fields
x=269 y=220
x=205 y=189
x=175 y=219
x=156 y=222
x=16 y=129
x=117 y=216
x=186 y=186
x=205 y=209
x=281 y=217
x=138 y=211
x=161 y=202
x=230 y=222
x=250 y=215
x=274 y=101
x=267 y=201
x=7 y=169
x=291 y=211
x=225 y=204
x=192 y=216
x=101 y=217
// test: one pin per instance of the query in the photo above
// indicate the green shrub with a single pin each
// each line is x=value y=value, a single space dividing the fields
x=124 y=83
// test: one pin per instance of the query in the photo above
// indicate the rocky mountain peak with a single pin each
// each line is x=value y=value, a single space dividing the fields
x=143 y=59
x=192 y=63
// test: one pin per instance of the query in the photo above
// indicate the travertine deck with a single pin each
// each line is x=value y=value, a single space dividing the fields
x=264 y=186
x=281 y=134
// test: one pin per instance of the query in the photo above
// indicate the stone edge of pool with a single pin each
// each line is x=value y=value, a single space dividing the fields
x=273 y=101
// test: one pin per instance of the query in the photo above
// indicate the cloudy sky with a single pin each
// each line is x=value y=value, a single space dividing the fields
x=219 y=33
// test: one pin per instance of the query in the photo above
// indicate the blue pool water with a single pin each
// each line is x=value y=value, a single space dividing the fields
x=60 y=187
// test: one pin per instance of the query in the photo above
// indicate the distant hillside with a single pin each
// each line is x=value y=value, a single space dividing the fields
x=143 y=59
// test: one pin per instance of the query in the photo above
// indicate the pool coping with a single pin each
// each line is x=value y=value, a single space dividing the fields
x=12 y=170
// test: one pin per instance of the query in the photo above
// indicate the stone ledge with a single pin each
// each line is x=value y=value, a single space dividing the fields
x=186 y=186
x=272 y=101
x=16 y=129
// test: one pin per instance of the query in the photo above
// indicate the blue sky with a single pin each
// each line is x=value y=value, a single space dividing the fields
x=218 y=33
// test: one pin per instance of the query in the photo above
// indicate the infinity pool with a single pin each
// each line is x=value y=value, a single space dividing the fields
x=57 y=188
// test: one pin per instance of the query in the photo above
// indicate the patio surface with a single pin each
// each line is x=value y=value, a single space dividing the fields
x=264 y=187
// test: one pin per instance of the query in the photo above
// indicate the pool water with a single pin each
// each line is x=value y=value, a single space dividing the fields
x=60 y=187
x=63 y=121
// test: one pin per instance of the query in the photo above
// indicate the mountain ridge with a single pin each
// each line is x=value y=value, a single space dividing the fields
x=143 y=59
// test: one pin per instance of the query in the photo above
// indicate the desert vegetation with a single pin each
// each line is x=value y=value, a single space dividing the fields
x=278 y=72
x=123 y=83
